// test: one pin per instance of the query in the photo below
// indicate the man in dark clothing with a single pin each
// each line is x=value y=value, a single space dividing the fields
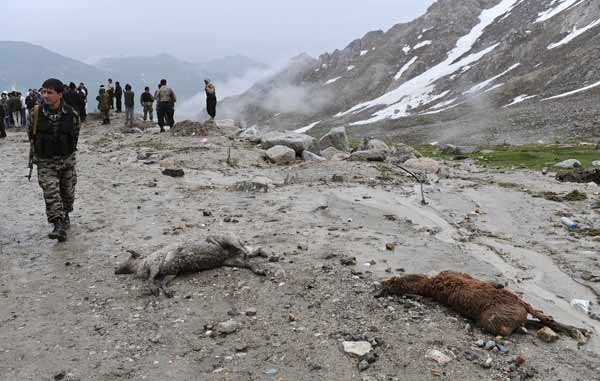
x=73 y=98
x=14 y=108
x=53 y=135
x=165 y=97
x=83 y=91
x=111 y=92
x=146 y=100
x=211 y=99
x=129 y=105
x=118 y=95
x=30 y=101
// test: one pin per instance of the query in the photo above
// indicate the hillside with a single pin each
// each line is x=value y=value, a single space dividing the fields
x=24 y=65
x=467 y=69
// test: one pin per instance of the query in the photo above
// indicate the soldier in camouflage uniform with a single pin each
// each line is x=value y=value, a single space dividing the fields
x=53 y=134
x=104 y=101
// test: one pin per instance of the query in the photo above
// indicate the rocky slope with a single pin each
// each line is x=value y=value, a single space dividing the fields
x=476 y=59
x=332 y=230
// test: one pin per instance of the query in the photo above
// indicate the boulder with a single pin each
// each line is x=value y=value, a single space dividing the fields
x=295 y=141
x=570 y=163
x=377 y=145
x=547 y=335
x=341 y=156
x=357 y=348
x=424 y=164
x=369 y=155
x=281 y=155
x=329 y=153
x=336 y=137
x=596 y=163
x=580 y=176
x=309 y=156
x=251 y=134
x=403 y=152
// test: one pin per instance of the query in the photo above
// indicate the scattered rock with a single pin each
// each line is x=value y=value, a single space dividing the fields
x=309 y=156
x=169 y=162
x=173 y=172
x=251 y=134
x=250 y=312
x=337 y=138
x=425 y=164
x=228 y=327
x=450 y=149
x=547 y=335
x=377 y=145
x=581 y=305
x=437 y=356
x=60 y=375
x=251 y=186
x=570 y=163
x=363 y=365
x=348 y=261
x=329 y=153
x=470 y=356
x=357 y=348
x=403 y=152
x=490 y=344
x=281 y=155
x=369 y=155
x=487 y=364
x=297 y=142
x=271 y=372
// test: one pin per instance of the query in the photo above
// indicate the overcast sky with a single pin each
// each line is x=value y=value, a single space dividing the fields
x=268 y=30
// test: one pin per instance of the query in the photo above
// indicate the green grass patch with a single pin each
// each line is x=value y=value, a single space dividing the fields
x=575 y=196
x=533 y=156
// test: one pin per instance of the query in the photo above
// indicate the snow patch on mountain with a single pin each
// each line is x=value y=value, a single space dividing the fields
x=306 y=128
x=405 y=68
x=422 y=44
x=420 y=90
x=350 y=68
x=332 y=80
x=586 y=88
x=364 y=52
x=480 y=86
x=557 y=7
x=574 y=34
x=519 y=99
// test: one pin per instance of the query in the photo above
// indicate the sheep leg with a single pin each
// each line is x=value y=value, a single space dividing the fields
x=577 y=333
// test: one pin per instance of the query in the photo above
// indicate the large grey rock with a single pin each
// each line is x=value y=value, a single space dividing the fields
x=570 y=163
x=251 y=134
x=369 y=155
x=377 y=145
x=336 y=137
x=228 y=327
x=309 y=156
x=281 y=155
x=295 y=141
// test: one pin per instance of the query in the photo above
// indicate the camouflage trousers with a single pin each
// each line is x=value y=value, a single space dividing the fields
x=148 y=110
x=57 y=178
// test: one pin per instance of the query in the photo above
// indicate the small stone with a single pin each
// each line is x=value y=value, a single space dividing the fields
x=490 y=344
x=480 y=343
x=502 y=348
x=357 y=348
x=487 y=364
x=250 y=312
x=60 y=375
x=206 y=213
x=348 y=261
x=292 y=318
x=391 y=246
x=173 y=172
x=156 y=338
x=363 y=365
x=271 y=372
x=437 y=356
x=233 y=312
x=470 y=356
x=228 y=327
x=547 y=335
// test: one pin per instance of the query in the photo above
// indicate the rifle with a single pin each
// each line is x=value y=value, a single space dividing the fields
x=36 y=117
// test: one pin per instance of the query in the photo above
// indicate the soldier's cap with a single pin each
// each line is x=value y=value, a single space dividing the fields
x=54 y=84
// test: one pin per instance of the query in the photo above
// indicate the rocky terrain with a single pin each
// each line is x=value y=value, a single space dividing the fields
x=333 y=229
x=484 y=70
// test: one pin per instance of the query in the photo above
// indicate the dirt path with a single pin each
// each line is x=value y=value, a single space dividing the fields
x=65 y=312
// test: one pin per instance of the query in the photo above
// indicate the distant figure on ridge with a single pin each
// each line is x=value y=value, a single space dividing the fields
x=118 y=95
x=166 y=99
x=211 y=98
x=129 y=105
x=147 y=100
x=110 y=90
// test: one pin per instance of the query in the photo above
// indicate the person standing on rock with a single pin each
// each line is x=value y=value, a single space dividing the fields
x=118 y=95
x=147 y=100
x=129 y=104
x=104 y=102
x=53 y=135
x=211 y=99
x=165 y=97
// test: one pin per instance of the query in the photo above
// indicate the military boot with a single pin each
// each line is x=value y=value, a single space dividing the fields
x=67 y=222
x=59 y=233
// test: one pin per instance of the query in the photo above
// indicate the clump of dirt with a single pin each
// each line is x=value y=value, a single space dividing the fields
x=589 y=232
x=551 y=196
x=190 y=128
x=580 y=176
x=575 y=196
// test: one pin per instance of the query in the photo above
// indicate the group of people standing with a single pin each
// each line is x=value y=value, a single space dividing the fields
x=14 y=108
x=110 y=97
